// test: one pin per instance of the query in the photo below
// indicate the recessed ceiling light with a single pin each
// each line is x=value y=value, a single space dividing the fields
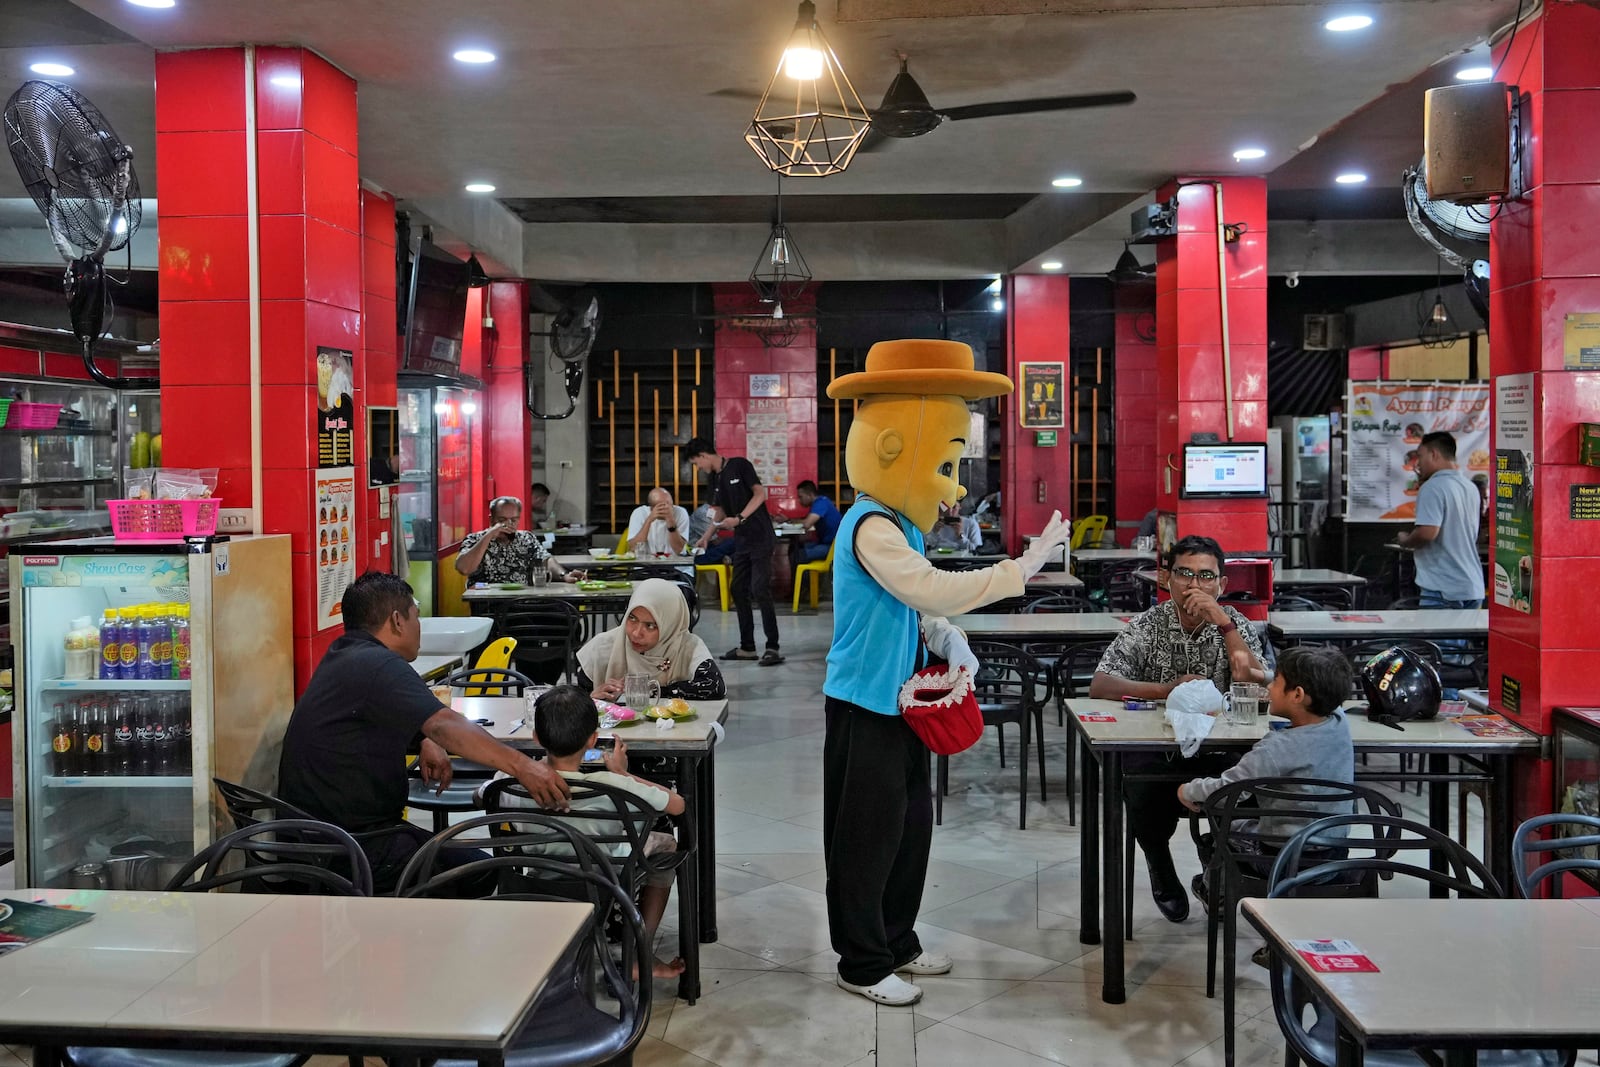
x=53 y=70
x=1346 y=23
x=479 y=187
x=285 y=81
x=474 y=55
x=1067 y=183
x=1242 y=154
x=1050 y=264
x=1354 y=177
x=153 y=3
x=1474 y=74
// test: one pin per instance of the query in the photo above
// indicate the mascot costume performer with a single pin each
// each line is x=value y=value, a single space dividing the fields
x=890 y=604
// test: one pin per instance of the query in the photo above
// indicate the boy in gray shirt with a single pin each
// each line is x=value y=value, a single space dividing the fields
x=1308 y=688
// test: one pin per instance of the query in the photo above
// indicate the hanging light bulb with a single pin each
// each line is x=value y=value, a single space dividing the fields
x=780 y=272
x=811 y=122
x=1440 y=316
x=780 y=251
x=1435 y=327
x=777 y=312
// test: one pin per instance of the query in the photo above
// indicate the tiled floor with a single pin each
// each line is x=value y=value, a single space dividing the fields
x=1002 y=902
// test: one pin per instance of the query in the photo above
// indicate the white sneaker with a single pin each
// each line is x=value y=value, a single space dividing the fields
x=893 y=990
x=927 y=963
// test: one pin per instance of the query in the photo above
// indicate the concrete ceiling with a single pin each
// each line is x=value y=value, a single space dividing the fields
x=612 y=102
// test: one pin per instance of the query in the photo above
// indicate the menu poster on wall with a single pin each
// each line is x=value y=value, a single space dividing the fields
x=1513 y=491
x=333 y=543
x=1580 y=341
x=1042 y=399
x=336 y=407
x=1386 y=424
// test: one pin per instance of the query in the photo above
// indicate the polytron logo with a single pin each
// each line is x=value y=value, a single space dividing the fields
x=41 y=561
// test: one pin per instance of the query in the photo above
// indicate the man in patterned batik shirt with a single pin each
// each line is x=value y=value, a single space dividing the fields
x=1189 y=636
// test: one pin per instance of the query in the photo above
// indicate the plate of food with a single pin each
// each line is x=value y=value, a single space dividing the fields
x=676 y=709
x=945 y=551
x=512 y=587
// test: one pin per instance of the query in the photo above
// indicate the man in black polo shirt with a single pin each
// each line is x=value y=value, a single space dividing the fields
x=739 y=503
x=344 y=753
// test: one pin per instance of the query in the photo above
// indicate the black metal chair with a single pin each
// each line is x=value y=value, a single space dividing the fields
x=1292 y=602
x=1301 y=868
x=1238 y=856
x=1074 y=670
x=548 y=636
x=1059 y=604
x=1010 y=687
x=250 y=807
x=1326 y=597
x=1121 y=590
x=490 y=681
x=1555 y=833
x=595 y=1005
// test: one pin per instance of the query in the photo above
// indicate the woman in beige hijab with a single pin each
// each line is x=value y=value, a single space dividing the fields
x=653 y=639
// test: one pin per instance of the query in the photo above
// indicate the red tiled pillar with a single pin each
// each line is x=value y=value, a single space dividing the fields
x=508 y=425
x=1545 y=265
x=311 y=284
x=1192 y=388
x=1135 y=467
x=1037 y=331
x=787 y=385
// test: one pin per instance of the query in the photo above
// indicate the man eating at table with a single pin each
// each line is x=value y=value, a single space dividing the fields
x=1189 y=636
x=344 y=753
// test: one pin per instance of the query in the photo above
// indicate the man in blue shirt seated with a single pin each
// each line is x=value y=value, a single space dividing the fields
x=822 y=516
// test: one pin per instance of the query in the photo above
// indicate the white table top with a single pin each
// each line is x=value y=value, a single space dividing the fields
x=1108 y=554
x=1042 y=625
x=585 y=561
x=318 y=969
x=1315 y=576
x=957 y=555
x=1055 y=580
x=506 y=711
x=1149 y=728
x=1529 y=961
x=1358 y=623
x=552 y=591
x=426 y=665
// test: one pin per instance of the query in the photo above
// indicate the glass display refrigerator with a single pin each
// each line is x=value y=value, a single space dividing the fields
x=438 y=422
x=143 y=669
x=1577 y=776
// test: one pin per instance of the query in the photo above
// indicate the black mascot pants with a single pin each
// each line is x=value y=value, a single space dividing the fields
x=877 y=828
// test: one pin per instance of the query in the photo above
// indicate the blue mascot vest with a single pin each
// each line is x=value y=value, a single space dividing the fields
x=876 y=639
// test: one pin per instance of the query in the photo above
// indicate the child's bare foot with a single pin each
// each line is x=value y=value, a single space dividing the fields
x=667 y=968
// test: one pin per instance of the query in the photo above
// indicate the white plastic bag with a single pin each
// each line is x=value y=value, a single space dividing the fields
x=1192 y=710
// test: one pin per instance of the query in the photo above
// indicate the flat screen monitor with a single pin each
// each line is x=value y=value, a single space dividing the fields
x=1224 y=470
x=436 y=312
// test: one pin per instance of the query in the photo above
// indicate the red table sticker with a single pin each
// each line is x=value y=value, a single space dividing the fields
x=1097 y=718
x=1334 y=957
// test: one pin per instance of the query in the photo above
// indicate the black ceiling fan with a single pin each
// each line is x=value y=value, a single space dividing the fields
x=905 y=110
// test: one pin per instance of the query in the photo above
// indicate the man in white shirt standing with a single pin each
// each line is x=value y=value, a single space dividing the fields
x=658 y=527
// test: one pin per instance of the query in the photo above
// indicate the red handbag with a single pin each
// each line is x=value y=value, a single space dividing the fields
x=941 y=708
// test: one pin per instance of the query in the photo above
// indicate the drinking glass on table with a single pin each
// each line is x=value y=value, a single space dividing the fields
x=541 y=575
x=640 y=691
x=1245 y=703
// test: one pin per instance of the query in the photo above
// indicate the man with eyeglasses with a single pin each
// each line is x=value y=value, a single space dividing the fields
x=1191 y=635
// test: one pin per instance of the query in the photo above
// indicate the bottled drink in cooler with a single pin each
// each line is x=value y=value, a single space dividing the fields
x=110 y=645
x=63 y=741
x=82 y=653
x=161 y=640
x=127 y=644
x=163 y=726
x=94 y=735
x=144 y=734
x=145 y=629
x=124 y=736
x=180 y=641
x=185 y=736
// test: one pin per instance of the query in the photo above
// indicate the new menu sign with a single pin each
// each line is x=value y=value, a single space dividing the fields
x=1386 y=424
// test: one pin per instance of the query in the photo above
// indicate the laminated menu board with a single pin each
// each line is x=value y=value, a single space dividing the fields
x=1387 y=422
x=22 y=923
x=334 y=546
x=1041 y=398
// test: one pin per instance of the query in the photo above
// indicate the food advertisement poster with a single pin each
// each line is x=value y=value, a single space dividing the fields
x=1386 y=424
x=766 y=439
x=1513 y=491
x=1042 y=400
x=336 y=408
x=332 y=545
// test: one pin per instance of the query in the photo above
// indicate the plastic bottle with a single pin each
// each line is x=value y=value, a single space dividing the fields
x=110 y=646
x=81 y=644
x=124 y=727
x=180 y=641
x=127 y=643
x=146 y=637
x=161 y=639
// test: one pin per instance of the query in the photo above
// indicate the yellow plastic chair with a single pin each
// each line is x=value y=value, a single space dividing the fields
x=1087 y=531
x=498 y=655
x=722 y=572
x=622 y=545
x=812 y=571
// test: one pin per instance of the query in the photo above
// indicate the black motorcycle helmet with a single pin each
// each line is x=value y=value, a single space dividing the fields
x=1400 y=686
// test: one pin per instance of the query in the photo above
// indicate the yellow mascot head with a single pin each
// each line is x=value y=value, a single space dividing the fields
x=905 y=444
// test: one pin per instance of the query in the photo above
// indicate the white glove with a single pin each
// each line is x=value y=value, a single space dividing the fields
x=1057 y=532
x=948 y=643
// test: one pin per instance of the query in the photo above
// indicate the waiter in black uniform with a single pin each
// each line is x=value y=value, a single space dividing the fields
x=739 y=503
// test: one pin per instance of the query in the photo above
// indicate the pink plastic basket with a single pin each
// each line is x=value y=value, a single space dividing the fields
x=22 y=416
x=162 y=520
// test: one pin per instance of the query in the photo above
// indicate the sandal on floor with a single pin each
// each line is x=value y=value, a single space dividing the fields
x=770 y=658
x=740 y=653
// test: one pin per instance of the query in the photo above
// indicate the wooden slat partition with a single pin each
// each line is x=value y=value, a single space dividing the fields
x=611 y=421
x=655 y=449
